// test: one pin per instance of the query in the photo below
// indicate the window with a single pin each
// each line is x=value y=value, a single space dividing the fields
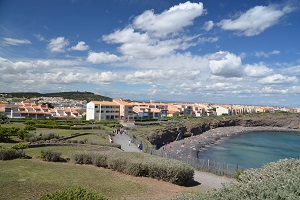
x=96 y=106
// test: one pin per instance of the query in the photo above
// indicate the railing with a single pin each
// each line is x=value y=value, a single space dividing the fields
x=207 y=165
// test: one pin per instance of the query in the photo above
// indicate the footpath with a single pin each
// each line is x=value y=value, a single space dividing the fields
x=123 y=140
x=206 y=180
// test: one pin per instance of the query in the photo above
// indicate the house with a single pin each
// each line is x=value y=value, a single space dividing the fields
x=102 y=110
x=223 y=110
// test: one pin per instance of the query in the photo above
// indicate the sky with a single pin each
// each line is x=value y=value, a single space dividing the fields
x=210 y=51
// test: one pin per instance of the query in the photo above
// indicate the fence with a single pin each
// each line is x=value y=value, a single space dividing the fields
x=213 y=166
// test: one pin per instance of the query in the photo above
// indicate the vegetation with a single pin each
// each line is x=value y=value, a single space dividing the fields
x=138 y=164
x=29 y=179
x=9 y=154
x=50 y=155
x=277 y=180
x=76 y=95
x=74 y=194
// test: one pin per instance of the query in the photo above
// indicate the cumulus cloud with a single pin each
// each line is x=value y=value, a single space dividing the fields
x=225 y=64
x=278 y=79
x=80 y=46
x=257 y=70
x=15 y=42
x=255 y=20
x=170 y=21
x=266 y=55
x=141 y=45
x=58 y=44
x=208 y=25
x=102 y=57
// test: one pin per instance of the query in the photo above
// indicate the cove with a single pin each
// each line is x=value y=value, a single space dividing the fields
x=254 y=149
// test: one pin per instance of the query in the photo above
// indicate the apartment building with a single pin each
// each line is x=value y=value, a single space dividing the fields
x=126 y=110
x=102 y=110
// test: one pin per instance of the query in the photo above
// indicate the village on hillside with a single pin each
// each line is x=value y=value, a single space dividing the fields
x=121 y=110
x=118 y=109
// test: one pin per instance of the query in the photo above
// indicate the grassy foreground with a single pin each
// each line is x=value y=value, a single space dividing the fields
x=28 y=179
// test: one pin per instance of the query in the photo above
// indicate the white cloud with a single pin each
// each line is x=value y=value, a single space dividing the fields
x=58 y=44
x=266 y=55
x=15 y=42
x=225 y=64
x=39 y=37
x=257 y=70
x=208 y=39
x=255 y=20
x=102 y=57
x=208 y=25
x=80 y=46
x=140 y=45
x=293 y=70
x=170 y=21
x=278 y=79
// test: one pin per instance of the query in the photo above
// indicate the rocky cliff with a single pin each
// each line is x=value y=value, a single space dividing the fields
x=197 y=126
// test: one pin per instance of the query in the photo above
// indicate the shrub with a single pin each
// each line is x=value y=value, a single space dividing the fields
x=9 y=154
x=237 y=175
x=138 y=164
x=51 y=156
x=20 y=145
x=277 y=180
x=74 y=194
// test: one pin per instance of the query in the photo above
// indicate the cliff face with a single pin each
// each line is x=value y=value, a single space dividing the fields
x=198 y=126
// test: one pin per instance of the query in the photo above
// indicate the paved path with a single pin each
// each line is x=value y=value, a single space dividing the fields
x=123 y=140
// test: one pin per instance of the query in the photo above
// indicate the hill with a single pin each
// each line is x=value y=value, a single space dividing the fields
x=76 y=95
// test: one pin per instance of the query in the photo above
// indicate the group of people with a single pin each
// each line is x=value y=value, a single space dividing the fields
x=119 y=131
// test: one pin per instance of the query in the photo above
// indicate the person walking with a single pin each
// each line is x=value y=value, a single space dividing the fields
x=129 y=142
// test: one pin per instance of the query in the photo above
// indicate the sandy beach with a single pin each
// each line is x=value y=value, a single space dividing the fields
x=191 y=146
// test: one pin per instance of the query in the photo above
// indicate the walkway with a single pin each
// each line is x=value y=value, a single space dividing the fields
x=123 y=140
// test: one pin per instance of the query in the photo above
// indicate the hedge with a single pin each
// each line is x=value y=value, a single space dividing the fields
x=9 y=154
x=74 y=194
x=139 y=164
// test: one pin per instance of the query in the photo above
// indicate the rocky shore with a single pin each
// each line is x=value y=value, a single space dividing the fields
x=191 y=146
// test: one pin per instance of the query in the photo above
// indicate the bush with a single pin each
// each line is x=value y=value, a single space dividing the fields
x=74 y=194
x=277 y=180
x=138 y=164
x=9 y=154
x=51 y=156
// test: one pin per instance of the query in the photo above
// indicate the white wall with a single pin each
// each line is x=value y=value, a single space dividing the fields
x=90 y=111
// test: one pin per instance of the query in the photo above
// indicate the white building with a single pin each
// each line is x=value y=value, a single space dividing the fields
x=102 y=110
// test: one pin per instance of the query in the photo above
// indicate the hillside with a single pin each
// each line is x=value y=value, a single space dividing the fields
x=76 y=95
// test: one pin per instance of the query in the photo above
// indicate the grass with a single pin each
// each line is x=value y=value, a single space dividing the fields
x=67 y=133
x=28 y=179
x=17 y=125
x=93 y=138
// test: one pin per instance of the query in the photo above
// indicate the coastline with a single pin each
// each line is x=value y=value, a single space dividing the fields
x=191 y=146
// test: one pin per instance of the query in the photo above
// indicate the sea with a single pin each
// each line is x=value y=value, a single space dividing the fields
x=254 y=149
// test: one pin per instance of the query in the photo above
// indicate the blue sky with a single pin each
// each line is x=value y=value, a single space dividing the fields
x=231 y=52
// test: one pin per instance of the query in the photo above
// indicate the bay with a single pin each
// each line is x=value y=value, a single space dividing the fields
x=254 y=149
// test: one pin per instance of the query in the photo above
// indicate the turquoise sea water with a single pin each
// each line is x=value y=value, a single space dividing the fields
x=255 y=149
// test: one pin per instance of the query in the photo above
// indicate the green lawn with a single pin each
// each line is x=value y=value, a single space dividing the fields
x=28 y=179
x=16 y=124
